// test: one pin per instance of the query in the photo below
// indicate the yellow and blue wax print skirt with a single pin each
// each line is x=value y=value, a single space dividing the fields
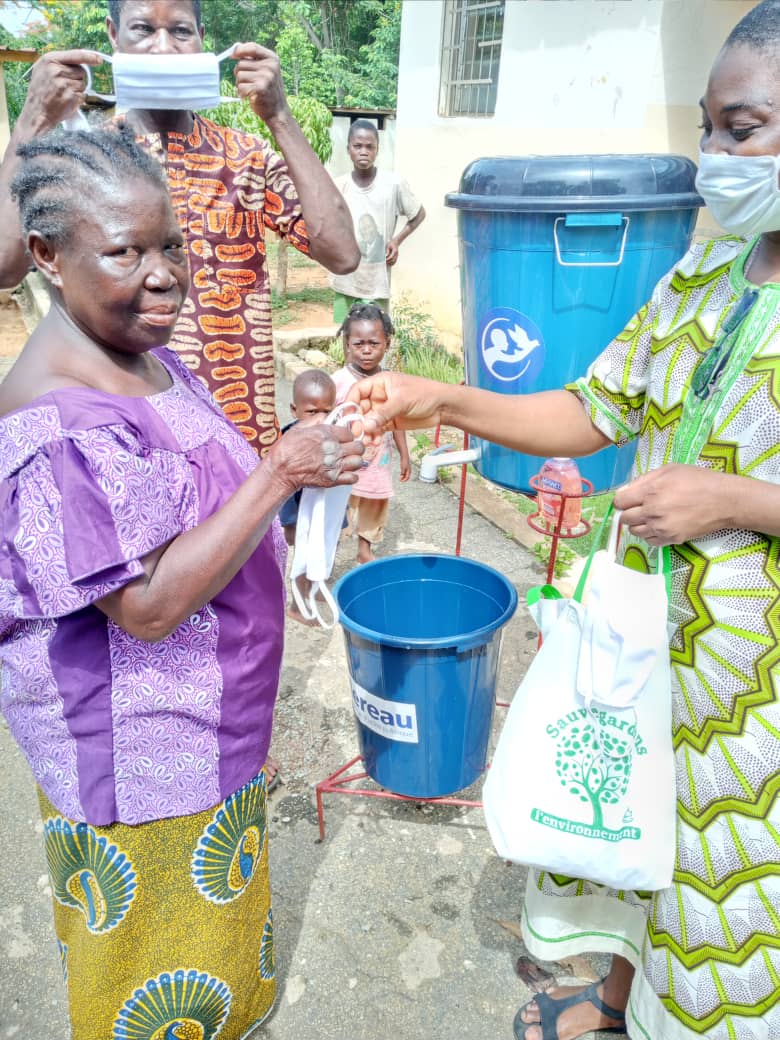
x=164 y=928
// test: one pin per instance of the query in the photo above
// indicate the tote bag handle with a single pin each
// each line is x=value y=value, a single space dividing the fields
x=613 y=518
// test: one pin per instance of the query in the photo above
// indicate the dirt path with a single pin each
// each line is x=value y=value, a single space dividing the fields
x=307 y=316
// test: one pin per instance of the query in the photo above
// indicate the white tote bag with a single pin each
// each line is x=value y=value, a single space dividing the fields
x=582 y=781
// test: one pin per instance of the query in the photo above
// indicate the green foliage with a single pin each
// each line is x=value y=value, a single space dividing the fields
x=564 y=556
x=419 y=350
x=413 y=327
x=66 y=25
x=73 y=25
x=308 y=295
x=311 y=115
x=341 y=53
x=336 y=351
x=377 y=86
x=14 y=77
x=334 y=51
x=241 y=21
x=422 y=444
x=433 y=363
x=298 y=58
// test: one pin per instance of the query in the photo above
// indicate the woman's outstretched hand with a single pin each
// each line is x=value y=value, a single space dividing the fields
x=393 y=401
x=316 y=455
x=675 y=503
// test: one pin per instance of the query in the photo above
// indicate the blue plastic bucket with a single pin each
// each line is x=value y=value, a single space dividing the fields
x=423 y=638
x=556 y=254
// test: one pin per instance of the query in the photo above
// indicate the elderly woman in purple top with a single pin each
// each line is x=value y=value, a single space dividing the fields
x=141 y=610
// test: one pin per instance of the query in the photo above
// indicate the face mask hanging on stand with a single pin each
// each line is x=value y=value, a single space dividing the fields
x=160 y=81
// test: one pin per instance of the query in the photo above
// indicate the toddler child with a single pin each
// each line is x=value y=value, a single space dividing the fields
x=313 y=398
x=367 y=331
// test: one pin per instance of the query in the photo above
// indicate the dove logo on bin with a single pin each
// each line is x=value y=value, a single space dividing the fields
x=390 y=719
x=510 y=345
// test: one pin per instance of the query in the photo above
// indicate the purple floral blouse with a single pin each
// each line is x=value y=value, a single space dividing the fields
x=115 y=728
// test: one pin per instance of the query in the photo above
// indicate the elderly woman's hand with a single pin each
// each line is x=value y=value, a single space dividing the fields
x=316 y=455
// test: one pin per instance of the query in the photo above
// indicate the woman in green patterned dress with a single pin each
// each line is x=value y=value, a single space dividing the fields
x=695 y=378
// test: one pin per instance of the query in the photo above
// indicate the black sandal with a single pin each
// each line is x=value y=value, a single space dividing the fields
x=550 y=1010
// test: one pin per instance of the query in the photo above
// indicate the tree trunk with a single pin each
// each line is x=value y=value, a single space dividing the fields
x=280 y=285
x=327 y=36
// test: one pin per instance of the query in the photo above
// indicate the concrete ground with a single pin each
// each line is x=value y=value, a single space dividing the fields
x=403 y=922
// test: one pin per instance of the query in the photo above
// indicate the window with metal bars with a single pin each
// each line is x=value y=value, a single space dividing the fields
x=470 y=57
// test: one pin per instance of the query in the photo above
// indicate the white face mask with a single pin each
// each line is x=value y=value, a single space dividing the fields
x=317 y=532
x=741 y=191
x=161 y=81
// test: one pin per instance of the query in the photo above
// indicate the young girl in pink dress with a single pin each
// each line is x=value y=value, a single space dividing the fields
x=367 y=331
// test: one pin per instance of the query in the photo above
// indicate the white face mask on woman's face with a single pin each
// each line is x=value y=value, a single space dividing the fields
x=741 y=191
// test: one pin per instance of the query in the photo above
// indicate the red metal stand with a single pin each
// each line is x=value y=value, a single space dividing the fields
x=335 y=784
x=462 y=496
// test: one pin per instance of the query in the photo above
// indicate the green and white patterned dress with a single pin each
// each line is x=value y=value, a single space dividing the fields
x=707 y=949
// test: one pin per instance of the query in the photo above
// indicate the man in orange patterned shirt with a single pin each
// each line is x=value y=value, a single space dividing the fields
x=227 y=188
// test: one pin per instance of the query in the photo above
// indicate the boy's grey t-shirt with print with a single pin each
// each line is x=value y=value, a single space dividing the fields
x=375 y=211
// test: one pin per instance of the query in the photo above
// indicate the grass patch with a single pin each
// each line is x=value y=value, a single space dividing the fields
x=310 y=295
x=418 y=349
x=283 y=307
x=432 y=363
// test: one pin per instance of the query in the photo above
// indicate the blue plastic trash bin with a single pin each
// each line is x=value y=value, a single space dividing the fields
x=423 y=636
x=556 y=254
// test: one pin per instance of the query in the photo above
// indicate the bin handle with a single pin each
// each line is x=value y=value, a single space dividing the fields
x=590 y=263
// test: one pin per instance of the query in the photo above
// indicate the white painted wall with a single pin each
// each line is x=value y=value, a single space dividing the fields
x=577 y=76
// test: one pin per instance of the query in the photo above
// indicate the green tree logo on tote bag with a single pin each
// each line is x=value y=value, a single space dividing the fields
x=593 y=763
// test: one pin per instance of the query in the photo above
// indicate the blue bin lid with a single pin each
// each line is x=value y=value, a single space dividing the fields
x=577 y=183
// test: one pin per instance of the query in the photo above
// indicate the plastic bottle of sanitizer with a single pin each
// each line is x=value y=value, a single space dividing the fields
x=559 y=477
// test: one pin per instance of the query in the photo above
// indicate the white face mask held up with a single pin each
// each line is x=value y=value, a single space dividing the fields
x=317 y=531
x=160 y=81
x=741 y=191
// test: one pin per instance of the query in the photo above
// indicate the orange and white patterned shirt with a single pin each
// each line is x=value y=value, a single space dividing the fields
x=227 y=187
